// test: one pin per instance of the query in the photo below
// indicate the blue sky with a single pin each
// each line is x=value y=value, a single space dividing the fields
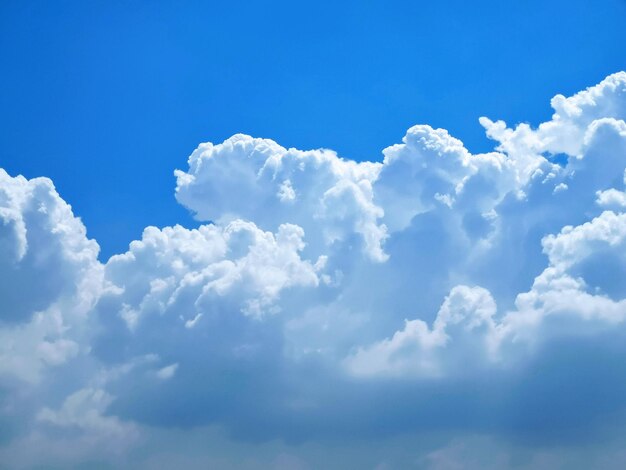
x=378 y=235
x=114 y=95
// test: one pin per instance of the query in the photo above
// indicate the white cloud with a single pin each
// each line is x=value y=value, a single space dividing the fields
x=561 y=290
x=50 y=278
x=431 y=167
x=284 y=316
x=567 y=131
x=257 y=179
x=39 y=239
x=611 y=198
x=418 y=349
x=84 y=410
x=167 y=372
x=176 y=271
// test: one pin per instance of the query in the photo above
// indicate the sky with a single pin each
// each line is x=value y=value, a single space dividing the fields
x=108 y=91
x=250 y=235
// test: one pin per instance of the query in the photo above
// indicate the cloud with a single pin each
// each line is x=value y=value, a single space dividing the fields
x=416 y=349
x=50 y=279
x=40 y=239
x=181 y=270
x=573 y=119
x=578 y=286
x=439 y=297
x=257 y=179
x=84 y=410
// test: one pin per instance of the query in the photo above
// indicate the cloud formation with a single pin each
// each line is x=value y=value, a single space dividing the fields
x=436 y=297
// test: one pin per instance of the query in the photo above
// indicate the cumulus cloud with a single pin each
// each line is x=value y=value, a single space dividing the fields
x=572 y=122
x=181 y=270
x=570 y=288
x=416 y=349
x=257 y=179
x=50 y=278
x=40 y=240
x=327 y=300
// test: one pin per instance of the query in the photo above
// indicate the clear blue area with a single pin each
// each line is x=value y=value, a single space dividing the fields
x=107 y=98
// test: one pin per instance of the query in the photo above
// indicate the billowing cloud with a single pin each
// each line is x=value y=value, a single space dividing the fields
x=40 y=240
x=435 y=300
x=51 y=278
x=257 y=179
x=416 y=349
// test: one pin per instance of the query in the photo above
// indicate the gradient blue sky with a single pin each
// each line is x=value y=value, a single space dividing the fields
x=106 y=98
